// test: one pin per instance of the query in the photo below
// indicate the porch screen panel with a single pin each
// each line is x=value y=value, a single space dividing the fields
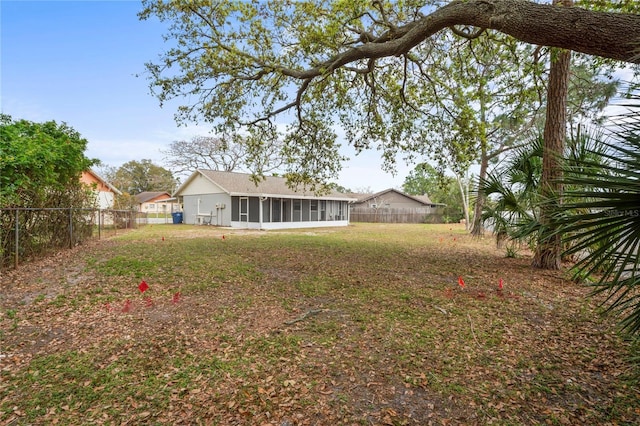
x=341 y=207
x=276 y=210
x=305 y=210
x=254 y=209
x=323 y=210
x=286 y=210
x=266 y=210
x=297 y=210
x=331 y=210
x=235 y=209
x=313 y=205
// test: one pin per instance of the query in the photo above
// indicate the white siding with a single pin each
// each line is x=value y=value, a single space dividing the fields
x=212 y=209
x=104 y=199
x=200 y=185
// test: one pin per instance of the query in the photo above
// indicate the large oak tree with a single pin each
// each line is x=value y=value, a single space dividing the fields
x=323 y=65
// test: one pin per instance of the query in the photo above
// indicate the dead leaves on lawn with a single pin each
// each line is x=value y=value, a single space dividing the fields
x=367 y=325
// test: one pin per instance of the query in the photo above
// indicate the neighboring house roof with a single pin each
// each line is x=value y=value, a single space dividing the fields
x=422 y=199
x=95 y=177
x=151 y=196
x=240 y=184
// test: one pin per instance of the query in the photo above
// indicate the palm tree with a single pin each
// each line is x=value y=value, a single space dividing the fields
x=600 y=217
x=514 y=186
x=512 y=189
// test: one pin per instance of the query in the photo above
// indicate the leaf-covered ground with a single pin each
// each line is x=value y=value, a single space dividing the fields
x=362 y=325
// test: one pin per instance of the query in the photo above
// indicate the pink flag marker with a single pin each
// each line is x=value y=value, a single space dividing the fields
x=461 y=282
x=143 y=287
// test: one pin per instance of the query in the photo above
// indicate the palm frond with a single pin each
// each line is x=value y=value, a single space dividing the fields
x=600 y=217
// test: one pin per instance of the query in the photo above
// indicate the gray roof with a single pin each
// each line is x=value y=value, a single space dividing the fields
x=424 y=199
x=274 y=186
x=143 y=197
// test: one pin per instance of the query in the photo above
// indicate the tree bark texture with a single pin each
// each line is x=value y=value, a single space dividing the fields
x=549 y=248
x=477 y=229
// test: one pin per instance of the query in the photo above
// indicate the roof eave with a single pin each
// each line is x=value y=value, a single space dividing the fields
x=291 y=196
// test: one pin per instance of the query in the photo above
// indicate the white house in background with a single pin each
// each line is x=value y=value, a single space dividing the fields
x=232 y=199
x=159 y=202
x=105 y=192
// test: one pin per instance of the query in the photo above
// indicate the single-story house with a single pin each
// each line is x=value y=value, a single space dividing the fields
x=234 y=200
x=156 y=202
x=392 y=205
x=104 y=191
x=395 y=199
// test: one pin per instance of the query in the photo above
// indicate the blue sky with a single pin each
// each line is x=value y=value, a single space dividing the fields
x=77 y=61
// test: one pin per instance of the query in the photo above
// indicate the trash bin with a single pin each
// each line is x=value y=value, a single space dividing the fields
x=177 y=217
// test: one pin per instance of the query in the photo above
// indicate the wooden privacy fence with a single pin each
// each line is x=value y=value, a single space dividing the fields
x=394 y=215
x=29 y=233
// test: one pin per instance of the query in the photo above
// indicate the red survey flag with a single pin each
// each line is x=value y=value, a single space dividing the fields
x=500 y=284
x=176 y=298
x=143 y=287
x=460 y=282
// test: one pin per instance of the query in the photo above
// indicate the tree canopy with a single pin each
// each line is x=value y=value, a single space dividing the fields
x=426 y=180
x=38 y=160
x=220 y=153
x=350 y=64
x=135 y=177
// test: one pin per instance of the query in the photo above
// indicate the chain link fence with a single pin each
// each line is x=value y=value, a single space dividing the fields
x=31 y=233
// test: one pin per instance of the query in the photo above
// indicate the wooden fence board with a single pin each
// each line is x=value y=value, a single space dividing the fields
x=394 y=215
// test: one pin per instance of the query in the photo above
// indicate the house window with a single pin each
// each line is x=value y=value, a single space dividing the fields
x=314 y=209
x=323 y=210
